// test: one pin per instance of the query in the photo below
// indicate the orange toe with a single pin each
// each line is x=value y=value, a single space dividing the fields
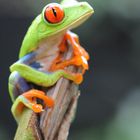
x=37 y=108
x=33 y=94
x=78 y=78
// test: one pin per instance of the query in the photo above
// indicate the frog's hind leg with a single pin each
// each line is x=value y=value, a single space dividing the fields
x=22 y=95
x=17 y=85
x=28 y=99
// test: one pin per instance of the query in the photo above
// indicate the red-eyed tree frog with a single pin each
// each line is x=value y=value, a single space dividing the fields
x=51 y=26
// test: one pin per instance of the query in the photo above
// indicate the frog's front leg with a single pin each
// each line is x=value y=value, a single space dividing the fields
x=45 y=79
x=80 y=56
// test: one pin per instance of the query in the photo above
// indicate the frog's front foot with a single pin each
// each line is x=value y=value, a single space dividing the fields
x=28 y=99
x=80 y=56
x=77 y=60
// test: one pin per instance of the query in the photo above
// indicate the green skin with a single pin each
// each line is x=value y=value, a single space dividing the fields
x=40 y=29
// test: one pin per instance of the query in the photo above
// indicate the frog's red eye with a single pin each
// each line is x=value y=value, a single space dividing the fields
x=54 y=13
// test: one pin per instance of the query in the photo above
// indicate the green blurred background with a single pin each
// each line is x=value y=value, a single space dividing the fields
x=109 y=106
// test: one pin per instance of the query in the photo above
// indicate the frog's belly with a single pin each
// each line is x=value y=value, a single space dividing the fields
x=46 y=62
x=45 y=55
x=48 y=50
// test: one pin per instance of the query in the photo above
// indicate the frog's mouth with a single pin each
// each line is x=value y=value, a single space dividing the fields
x=81 y=20
x=77 y=22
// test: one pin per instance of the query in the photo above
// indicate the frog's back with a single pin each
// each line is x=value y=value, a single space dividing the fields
x=30 y=41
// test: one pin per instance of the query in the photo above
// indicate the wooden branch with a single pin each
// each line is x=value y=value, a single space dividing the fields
x=53 y=120
x=69 y=115
x=53 y=123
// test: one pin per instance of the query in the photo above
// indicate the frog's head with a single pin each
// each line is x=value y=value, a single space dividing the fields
x=56 y=18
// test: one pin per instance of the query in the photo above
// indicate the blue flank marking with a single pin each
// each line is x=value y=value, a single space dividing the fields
x=22 y=84
x=30 y=60
x=35 y=65
x=27 y=59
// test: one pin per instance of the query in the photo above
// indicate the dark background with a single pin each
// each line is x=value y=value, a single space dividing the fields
x=109 y=105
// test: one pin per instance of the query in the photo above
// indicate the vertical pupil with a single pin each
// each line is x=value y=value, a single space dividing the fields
x=54 y=12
